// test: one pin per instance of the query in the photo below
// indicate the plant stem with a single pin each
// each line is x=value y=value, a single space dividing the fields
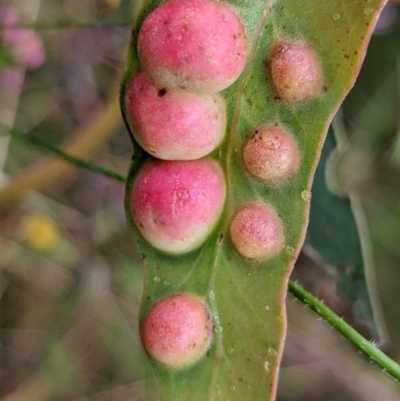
x=363 y=345
x=87 y=165
x=95 y=168
x=82 y=142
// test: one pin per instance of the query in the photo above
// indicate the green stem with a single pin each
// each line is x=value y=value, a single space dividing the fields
x=363 y=345
x=87 y=165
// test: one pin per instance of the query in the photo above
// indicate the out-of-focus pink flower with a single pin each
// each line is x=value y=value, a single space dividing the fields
x=11 y=80
x=8 y=16
x=26 y=46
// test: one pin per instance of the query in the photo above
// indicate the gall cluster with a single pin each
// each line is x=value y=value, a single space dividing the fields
x=190 y=51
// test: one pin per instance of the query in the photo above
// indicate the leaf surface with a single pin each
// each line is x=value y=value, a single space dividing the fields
x=247 y=298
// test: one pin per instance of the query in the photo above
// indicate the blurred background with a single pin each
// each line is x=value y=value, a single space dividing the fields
x=71 y=276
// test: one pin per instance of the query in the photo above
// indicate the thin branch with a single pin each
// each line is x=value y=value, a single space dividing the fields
x=363 y=345
x=86 y=140
x=87 y=165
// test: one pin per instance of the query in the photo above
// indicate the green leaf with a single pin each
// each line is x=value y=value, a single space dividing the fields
x=247 y=297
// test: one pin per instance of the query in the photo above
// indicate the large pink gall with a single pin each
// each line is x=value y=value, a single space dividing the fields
x=176 y=204
x=198 y=45
x=173 y=124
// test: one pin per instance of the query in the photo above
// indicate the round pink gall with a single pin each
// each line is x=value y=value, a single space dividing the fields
x=271 y=154
x=198 y=45
x=295 y=72
x=177 y=330
x=176 y=204
x=256 y=232
x=173 y=124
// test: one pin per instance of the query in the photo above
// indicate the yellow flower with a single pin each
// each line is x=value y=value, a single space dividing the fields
x=39 y=232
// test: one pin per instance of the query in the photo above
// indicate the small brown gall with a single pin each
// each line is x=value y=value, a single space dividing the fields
x=256 y=232
x=271 y=154
x=295 y=72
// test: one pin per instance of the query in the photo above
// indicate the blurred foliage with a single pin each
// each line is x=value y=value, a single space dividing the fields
x=69 y=311
x=333 y=233
x=371 y=165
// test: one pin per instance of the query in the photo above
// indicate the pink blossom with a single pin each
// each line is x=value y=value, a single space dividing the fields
x=25 y=45
x=8 y=16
